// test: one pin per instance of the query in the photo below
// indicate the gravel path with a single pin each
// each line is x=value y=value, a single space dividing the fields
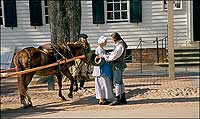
x=140 y=93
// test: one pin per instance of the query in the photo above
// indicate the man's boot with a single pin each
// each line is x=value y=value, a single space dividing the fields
x=123 y=98
x=116 y=102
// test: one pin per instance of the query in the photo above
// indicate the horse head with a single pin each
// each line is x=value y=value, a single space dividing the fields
x=77 y=49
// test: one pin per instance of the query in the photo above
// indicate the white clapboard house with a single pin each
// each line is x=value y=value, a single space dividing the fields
x=25 y=23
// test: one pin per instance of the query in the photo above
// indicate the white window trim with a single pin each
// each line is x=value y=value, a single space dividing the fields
x=116 y=20
x=2 y=7
x=165 y=9
x=128 y=10
x=43 y=13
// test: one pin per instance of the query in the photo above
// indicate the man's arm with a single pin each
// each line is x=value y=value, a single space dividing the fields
x=117 y=52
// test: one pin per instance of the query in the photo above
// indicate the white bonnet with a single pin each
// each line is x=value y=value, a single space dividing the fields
x=102 y=39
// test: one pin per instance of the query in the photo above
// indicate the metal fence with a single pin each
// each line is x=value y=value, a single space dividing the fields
x=157 y=69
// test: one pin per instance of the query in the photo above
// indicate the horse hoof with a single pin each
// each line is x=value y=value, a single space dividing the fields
x=64 y=99
x=70 y=95
x=30 y=105
x=24 y=106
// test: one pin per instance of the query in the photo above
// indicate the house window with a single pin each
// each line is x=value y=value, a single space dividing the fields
x=177 y=4
x=46 y=12
x=117 y=10
x=1 y=16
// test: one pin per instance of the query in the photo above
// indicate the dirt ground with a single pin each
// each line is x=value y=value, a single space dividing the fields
x=140 y=92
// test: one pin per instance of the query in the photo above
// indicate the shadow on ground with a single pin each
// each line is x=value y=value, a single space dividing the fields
x=54 y=107
x=165 y=100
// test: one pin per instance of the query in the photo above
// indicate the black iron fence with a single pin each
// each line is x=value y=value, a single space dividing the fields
x=161 y=50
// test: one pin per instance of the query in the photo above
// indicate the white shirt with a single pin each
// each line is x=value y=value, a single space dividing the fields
x=116 y=53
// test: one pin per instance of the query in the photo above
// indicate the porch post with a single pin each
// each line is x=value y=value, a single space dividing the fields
x=171 y=40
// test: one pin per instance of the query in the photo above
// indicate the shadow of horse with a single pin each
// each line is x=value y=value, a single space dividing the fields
x=55 y=107
x=47 y=108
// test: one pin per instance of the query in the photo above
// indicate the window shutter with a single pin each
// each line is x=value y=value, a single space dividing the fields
x=135 y=11
x=35 y=8
x=10 y=13
x=98 y=11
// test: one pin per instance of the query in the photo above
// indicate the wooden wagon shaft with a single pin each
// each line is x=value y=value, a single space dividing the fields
x=42 y=67
x=8 y=70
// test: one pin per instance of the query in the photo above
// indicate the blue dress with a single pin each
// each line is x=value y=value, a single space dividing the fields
x=103 y=75
x=106 y=70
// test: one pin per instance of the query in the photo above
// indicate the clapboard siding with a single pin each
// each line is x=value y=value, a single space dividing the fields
x=24 y=35
x=154 y=24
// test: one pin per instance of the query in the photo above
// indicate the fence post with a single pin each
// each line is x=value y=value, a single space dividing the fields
x=162 y=50
x=157 y=50
x=51 y=85
x=165 y=48
x=140 y=55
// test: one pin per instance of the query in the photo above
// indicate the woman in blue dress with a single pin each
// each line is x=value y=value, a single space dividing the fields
x=103 y=76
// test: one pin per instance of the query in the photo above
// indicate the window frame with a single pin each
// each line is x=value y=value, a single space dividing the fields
x=44 y=12
x=175 y=8
x=2 y=12
x=117 y=20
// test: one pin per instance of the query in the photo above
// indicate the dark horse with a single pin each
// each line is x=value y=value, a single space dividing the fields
x=31 y=57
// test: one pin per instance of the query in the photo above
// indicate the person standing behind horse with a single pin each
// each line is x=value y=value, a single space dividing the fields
x=103 y=75
x=116 y=57
x=80 y=68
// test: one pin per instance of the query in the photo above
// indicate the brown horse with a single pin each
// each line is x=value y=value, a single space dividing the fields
x=31 y=57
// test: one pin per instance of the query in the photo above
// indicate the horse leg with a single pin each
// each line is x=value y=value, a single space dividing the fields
x=82 y=82
x=59 y=77
x=67 y=73
x=22 y=90
x=26 y=83
x=76 y=84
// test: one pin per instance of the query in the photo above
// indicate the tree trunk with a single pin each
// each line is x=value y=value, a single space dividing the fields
x=65 y=20
x=53 y=19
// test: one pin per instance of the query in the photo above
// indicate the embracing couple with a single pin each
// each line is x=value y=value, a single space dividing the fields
x=110 y=71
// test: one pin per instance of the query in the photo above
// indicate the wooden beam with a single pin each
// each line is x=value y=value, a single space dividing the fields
x=41 y=67
x=8 y=70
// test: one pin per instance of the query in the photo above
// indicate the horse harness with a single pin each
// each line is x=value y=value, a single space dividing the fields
x=51 y=57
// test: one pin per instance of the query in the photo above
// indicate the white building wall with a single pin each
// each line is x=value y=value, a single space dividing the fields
x=24 y=35
x=154 y=24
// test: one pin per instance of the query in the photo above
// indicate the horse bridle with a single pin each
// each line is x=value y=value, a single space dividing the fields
x=53 y=46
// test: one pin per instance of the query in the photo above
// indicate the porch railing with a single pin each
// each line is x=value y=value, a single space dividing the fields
x=164 y=46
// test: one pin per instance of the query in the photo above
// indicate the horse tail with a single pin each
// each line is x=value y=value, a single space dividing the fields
x=19 y=65
x=18 y=61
